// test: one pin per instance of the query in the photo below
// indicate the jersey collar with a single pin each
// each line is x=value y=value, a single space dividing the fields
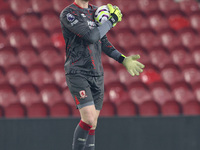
x=80 y=6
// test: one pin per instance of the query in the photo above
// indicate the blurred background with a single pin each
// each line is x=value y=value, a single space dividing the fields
x=166 y=34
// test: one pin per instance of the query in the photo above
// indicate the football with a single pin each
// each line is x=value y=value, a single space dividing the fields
x=102 y=14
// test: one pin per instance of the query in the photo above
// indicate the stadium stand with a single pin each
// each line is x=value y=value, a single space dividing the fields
x=164 y=32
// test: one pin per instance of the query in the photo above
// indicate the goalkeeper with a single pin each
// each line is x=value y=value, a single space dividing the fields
x=83 y=68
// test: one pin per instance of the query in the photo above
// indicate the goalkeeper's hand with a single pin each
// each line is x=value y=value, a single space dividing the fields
x=115 y=14
x=133 y=66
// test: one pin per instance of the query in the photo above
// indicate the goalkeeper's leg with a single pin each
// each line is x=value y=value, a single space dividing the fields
x=90 y=143
x=83 y=129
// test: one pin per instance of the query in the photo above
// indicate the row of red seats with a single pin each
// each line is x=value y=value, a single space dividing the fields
x=39 y=75
x=127 y=108
x=115 y=92
x=136 y=21
x=20 y=7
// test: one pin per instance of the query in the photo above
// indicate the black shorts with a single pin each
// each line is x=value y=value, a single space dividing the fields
x=86 y=90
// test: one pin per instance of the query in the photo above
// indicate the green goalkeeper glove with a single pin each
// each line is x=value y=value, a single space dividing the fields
x=133 y=66
x=115 y=14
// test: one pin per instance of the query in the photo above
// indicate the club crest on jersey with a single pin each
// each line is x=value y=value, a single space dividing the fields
x=82 y=94
x=70 y=17
x=91 y=24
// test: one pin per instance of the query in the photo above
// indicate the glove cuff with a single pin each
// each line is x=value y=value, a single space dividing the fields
x=121 y=58
x=113 y=19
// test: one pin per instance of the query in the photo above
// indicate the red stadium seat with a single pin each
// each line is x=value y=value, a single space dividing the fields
x=126 y=108
x=189 y=6
x=20 y=7
x=160 y=57
x=117 y=92
x=137 y=21
x=168 y=5
x=149 y=108
x=60 y=110
x=51 y=94
x=178 y=21
x=148 y=38
x=1 y=112
x=191 y=74
x=50 y=21
x=191 y=108
x=68 y=97
x=17 y=75
x=15 y=110
x=75 y=112
x=59 y=75
x=181 y=56
x=50 y=57
x=59 y=5
x=30 y=22
x=196 y=55
x=37 y=110
x=28 y=94
x=144 y=57
x=7 y=95
x=108 y=110
x=170 y=108
x=157 y=21
x=39 y=38
x=161 y=93
x=195 y=21
x=111 y=37
x=3 y=39
x=8 y=21
x=109 y=74
x=2 y=76
x=171 y=74
x=58 y=40
x=4 y=6
x=18 y=38
x=169 y=38
x=125 y=6
x=126 y=39
x=40 y=75
x=41 y=6
x=150 y=75
x=28 y=56
x=196 y=90
x=139 y=93
x=123 y=75
x=8 y=57
x=148 y=5
x=189 y=38
x=182 y=92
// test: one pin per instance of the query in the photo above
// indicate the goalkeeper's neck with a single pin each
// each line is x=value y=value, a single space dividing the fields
x=82 y=3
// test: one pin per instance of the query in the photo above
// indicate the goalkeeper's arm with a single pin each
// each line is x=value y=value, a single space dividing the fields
x=81 y=28
x=133 y=66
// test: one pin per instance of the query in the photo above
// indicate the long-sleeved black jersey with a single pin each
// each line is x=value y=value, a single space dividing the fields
x=83 y=43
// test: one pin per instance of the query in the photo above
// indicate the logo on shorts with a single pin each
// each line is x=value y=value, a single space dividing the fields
x=82 y=94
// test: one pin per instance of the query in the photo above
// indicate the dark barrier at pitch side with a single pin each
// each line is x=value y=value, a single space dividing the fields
x=157 y=133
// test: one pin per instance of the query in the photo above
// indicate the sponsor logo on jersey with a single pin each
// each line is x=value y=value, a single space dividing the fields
x=75 y=22
x=91 y=24
x=82 y=94
x=70 y=17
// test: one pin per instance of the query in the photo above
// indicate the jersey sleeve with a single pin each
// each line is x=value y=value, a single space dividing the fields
x=76 y=24
x=110 y=50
